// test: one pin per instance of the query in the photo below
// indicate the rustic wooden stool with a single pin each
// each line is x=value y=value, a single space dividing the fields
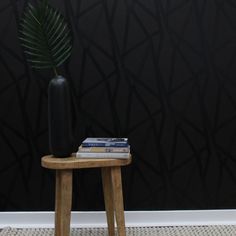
x=112 y=189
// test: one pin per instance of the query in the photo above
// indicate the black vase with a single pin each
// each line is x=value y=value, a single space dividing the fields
x=61 y=140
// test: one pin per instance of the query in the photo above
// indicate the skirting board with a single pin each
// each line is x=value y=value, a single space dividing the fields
x=132 y=218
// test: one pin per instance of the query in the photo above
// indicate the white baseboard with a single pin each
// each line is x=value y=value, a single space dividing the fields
x=133 y=218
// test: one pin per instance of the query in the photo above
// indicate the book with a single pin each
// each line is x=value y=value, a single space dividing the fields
x=105 y=142
x=104 y=155
x=104 y=149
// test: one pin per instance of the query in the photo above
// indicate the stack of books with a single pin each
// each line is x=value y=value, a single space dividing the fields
x=104 y=148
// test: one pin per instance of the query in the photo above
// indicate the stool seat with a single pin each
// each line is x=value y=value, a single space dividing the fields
x=112 y=189
x=52 y=162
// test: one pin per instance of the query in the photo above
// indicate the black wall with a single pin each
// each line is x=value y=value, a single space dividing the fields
x=160 y=72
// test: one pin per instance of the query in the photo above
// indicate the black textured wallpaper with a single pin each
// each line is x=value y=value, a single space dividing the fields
x=160 y=72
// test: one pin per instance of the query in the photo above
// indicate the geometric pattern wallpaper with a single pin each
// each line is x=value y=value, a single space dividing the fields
x=160 y=72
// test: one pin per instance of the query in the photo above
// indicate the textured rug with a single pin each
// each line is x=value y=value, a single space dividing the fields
x=217 y=230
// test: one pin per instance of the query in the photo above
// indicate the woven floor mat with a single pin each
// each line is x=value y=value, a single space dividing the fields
x=217 y=230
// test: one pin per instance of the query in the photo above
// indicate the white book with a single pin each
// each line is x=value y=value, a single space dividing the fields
x=104 y=149
x=104 y=155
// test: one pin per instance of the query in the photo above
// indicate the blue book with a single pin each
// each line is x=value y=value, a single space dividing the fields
x=105 y=142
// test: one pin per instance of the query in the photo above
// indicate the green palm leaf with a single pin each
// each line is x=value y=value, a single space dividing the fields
x=45 y=36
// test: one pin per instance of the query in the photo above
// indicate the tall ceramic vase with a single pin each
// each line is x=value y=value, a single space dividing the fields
x=61 y=142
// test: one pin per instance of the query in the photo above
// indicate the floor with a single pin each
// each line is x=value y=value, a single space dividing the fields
x=223 y=230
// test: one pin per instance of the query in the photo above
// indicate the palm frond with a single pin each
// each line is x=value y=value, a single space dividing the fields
x=45 y=36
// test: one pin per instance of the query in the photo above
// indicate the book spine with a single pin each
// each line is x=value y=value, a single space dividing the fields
x=102 y=155
x=104 y=144
x=104 y=149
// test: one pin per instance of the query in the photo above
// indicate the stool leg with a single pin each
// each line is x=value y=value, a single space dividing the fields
x=118 y=200
x=63 y=202
x=108 y=198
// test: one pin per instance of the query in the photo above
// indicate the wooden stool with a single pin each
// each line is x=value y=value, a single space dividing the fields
x=112 y=189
